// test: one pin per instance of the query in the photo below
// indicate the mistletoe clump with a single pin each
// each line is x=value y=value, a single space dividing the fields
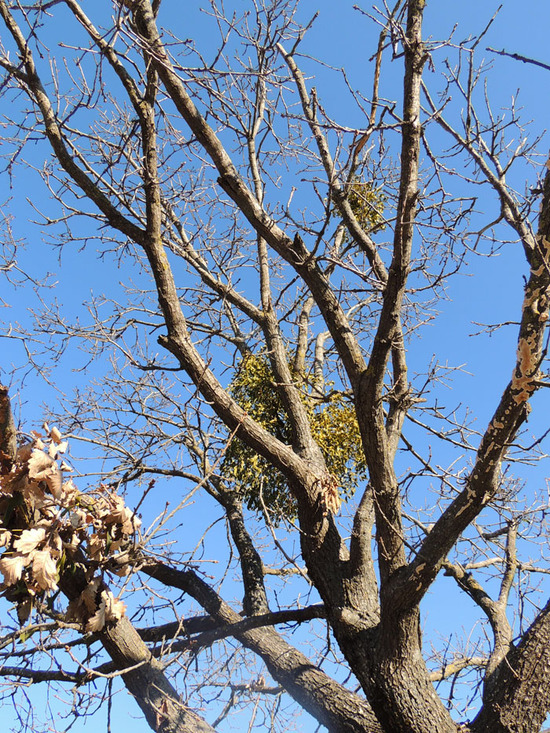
x=367 y=204
x=333 y=425
x=48 y=528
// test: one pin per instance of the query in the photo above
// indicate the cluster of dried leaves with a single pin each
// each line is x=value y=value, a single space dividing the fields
x=48 y=527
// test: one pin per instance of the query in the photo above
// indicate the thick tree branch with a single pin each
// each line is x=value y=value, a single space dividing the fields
x=517 y=697
x=494 y=610
x=178 y=340
x=255 y=596
x=399 y=402
x=482 y=483
x=54 y=133
x=370 y=390
x=292 y=250
x=143 y=676
x=331 y=704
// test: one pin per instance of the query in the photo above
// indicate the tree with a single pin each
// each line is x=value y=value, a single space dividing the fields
x=279 y=268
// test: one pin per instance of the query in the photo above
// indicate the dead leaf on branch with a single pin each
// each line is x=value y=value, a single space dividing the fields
x=39 y=464
x=24 y=610
x=12 y=568
x=54 y=433
x=55 y=450
x=44 y=569
x=24 y=452
x=5 y=537
x=94 y=609
x=330 y=495
x=88 y=595
x=97 y=621
x=110 y=609
x=59 y=520
x=29 y=540
x=42 y=467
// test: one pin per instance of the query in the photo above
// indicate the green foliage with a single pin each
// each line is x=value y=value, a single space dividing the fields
x=333 y=425
x=367 y=203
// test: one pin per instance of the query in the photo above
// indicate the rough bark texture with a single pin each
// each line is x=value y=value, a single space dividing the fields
x=8 y=435
x=145 y=679
x=331 y=704
x=373 y=612
x=147 y=682
x=516 y=699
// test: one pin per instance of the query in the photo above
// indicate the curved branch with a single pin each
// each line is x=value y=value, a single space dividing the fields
x=35 y=89
x=494 y=610
x=482 y=483
x=292 y=250
x=331 y=704
x=518 y=697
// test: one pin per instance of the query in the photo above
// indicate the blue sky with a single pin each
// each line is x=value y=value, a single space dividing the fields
x=487 y=290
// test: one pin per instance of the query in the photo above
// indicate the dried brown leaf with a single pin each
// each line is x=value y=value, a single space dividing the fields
x=44 y=569
x=5 y=537
x=24 y=452
x=114 y=608
x=12 y=568
x=54 y=480
x=89 y=594
x=109 y=609
x=29 y=540
x=55 y=435
x=56 y=449
x=97 y=621
x=96 y=547
x=24 y=609
x=39 y=463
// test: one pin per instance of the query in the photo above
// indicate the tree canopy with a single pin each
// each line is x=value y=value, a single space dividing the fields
x=255 y=497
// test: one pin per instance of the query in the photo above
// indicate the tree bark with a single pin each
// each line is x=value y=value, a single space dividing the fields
x=335 y=707
x=8 y=435
x=516 y=695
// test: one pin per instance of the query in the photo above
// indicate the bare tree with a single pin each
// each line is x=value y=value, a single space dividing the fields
x=279 y=266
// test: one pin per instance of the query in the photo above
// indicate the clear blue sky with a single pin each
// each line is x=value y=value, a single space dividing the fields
x=489 y=291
